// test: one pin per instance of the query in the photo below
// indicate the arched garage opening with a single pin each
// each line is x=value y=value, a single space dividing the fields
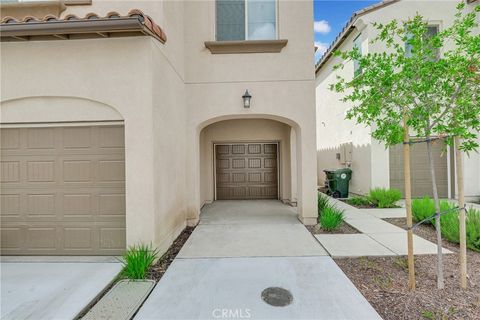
x=248 y=159
x=62 y=177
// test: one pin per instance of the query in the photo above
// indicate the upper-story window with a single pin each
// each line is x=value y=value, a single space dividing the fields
x=357 y=69
x=431 y=31
x=246 y=20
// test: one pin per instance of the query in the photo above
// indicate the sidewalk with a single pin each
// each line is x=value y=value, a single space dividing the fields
x=239 y=251
x=377 y=237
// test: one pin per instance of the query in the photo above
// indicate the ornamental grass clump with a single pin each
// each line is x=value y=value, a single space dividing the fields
x=323 y=202
x=331 y=218
x=449 y=223
x=422 y=208
x=384 y=198
x=473 y=229
x=136 y=261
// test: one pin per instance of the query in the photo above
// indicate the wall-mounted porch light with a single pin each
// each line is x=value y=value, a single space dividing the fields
x=246 y=99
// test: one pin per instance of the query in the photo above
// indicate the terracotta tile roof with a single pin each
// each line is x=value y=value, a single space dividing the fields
x=348 y=28
x=74 y=27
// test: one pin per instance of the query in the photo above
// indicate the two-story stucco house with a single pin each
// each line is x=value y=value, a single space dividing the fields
x=121 y=119
x=341 y=142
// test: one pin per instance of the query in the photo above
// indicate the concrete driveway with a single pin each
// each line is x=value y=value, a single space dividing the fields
x=242 y=248
x=52 y=287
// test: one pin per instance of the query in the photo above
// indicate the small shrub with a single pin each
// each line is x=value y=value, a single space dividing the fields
x=449 y=222
x=323 y=202
x=427 y=314
x=358 y=201
x=137 y=260
x=384 y=198
x=422 y=208
x=473 y=229
x=330 y=218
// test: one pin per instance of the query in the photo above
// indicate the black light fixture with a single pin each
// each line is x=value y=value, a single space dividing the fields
x=246 y=99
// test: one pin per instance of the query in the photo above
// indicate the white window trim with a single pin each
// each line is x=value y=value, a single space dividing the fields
x=246 y=22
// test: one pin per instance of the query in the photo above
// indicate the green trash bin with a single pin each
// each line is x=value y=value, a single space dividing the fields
x=338 y=181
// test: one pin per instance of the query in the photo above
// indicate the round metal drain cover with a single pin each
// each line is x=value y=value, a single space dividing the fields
x=277 y=297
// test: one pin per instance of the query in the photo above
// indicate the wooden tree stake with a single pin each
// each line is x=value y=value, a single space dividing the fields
x=461 y=215
x=408 y=203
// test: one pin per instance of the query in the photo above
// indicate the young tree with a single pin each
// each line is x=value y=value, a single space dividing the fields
x=459 y=120
x=424 y=83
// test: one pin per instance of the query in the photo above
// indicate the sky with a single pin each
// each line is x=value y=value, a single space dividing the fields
x=330 y=18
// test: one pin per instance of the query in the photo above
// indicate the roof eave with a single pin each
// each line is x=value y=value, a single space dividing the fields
x=15 y=31
x=348 y=29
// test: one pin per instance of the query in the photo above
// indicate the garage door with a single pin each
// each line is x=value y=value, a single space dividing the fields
x=246 y=171
x=63 y=190
x=420 y=170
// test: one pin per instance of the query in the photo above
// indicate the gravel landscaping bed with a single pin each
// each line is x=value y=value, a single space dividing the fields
x=362 y=206
x=158 y=269
x=383 y=282
x=344 y=228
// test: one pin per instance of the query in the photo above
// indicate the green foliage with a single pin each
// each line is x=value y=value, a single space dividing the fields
x=434 y=85
x=137 y=260
x=331 y=218
x=425 y=208
x=359 y=201
x=449 y=226
x=473 y=229
x=323 y=202
x=422 y=208
x=449 y=223
x=427 y=314
x=384 y=198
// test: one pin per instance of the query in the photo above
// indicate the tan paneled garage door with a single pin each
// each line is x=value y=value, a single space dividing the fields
x=246 y=171
x=63 y=190
x=420 y=170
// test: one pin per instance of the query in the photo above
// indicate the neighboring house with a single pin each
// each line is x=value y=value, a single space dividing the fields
x=121 y=119
x=341 y=142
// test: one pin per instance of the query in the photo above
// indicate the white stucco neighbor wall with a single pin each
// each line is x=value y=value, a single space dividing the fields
x=334 y=131
x=371 y=167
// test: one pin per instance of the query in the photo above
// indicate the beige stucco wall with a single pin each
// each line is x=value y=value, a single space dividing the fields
x=282 y=86
x=372 y=164
x=61 y=69
x=244 y=130
x=165 y=95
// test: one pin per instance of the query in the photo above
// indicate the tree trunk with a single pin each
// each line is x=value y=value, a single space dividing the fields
x=461 y=215
x=440 y=281
x=408 y=204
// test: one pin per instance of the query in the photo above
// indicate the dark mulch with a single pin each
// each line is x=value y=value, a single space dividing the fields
x=157 y=271
x=383 y=281
x=344 y=228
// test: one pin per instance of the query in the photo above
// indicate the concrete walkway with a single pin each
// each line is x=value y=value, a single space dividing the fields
x=239 y=249
x=377 y=237
x=50 y=287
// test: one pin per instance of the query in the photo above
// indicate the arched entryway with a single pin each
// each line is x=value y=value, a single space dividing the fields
x=248 y=159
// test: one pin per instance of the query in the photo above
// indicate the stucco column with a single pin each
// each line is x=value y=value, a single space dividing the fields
x=139 y=180
x=192 y=167
x=307 y=174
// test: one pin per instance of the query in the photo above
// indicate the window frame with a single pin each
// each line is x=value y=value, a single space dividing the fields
x=431 y=24
x=357 y=71
x=246 y=22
